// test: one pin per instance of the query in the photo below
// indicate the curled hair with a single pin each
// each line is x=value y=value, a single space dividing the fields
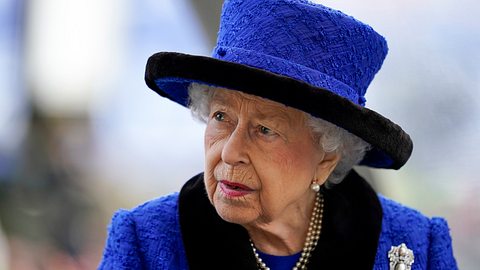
x=334 y=139
x=330 y=137
x=199 y=97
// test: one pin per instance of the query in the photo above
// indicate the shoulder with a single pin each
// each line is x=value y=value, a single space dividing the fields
x=147 y=236
x=157 y=211
x=400 y=218
x=147 y=217
x=428 y=238
x=397 y=215
x=160 y=210
x=156 y=222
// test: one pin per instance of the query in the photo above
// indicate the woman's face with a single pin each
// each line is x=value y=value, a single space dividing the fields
x=260 y=159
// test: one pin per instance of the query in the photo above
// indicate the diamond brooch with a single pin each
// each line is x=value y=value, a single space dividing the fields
x=401 y=258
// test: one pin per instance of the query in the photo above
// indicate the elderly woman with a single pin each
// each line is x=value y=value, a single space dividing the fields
x=283 y=102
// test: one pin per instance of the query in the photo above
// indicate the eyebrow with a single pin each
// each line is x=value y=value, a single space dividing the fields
x=270 y=111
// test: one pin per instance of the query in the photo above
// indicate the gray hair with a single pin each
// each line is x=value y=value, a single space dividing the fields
x=330 y=137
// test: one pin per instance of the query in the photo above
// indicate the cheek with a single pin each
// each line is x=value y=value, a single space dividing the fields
x=214 y=136
x=209 y=137
x=295 y=164
x=213 y=146
x=288 y=160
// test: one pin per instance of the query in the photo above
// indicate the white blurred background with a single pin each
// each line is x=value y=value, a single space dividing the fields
x=81 y=135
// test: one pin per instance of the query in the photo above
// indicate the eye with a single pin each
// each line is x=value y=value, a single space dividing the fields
x=219 y=116
x=266 y=131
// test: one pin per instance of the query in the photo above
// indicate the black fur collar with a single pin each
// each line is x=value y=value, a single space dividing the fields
x=349 y=237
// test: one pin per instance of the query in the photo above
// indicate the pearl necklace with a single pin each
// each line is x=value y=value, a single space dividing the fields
x=313 y=235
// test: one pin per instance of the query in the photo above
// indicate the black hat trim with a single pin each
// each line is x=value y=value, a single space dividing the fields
x=392 y=146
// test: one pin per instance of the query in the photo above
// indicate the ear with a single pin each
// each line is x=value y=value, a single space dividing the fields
x=326 y=166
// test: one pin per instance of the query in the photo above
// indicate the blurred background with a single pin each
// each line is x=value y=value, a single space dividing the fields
x=82 y=136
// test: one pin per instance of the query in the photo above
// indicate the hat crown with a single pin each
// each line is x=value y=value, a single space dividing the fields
x=302 y=40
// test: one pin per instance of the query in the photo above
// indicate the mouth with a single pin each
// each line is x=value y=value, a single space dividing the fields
x=232 y=189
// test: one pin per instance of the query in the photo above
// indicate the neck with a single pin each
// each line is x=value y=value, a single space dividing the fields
x=282 y=236
x=278 y=243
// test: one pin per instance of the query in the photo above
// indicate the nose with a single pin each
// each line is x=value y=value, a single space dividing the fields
x=235 y=149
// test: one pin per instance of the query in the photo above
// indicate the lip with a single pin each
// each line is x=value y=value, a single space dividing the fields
x=232 y=189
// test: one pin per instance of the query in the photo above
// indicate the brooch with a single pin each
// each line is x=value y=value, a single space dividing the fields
x=401 y=258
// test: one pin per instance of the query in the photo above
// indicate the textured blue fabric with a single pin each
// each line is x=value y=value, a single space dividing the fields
x=301 y=40
x=279 y=262
x=149 y=237
x=428 y=238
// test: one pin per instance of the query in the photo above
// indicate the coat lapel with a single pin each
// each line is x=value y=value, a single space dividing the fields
x=351 y=226
x=349 y=238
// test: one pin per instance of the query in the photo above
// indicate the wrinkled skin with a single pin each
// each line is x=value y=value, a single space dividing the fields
x=260 y=159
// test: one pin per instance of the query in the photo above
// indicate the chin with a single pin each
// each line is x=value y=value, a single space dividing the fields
x=235 y=218
x=232 y=212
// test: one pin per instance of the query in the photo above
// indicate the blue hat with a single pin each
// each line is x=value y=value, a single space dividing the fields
x=294 y=52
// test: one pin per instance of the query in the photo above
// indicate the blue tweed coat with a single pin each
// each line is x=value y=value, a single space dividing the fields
x=182 y=231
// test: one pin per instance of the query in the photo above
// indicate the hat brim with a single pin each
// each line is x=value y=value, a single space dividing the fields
x=170 y=73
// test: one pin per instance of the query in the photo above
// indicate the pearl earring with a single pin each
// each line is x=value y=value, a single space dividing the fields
x=315 y=187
